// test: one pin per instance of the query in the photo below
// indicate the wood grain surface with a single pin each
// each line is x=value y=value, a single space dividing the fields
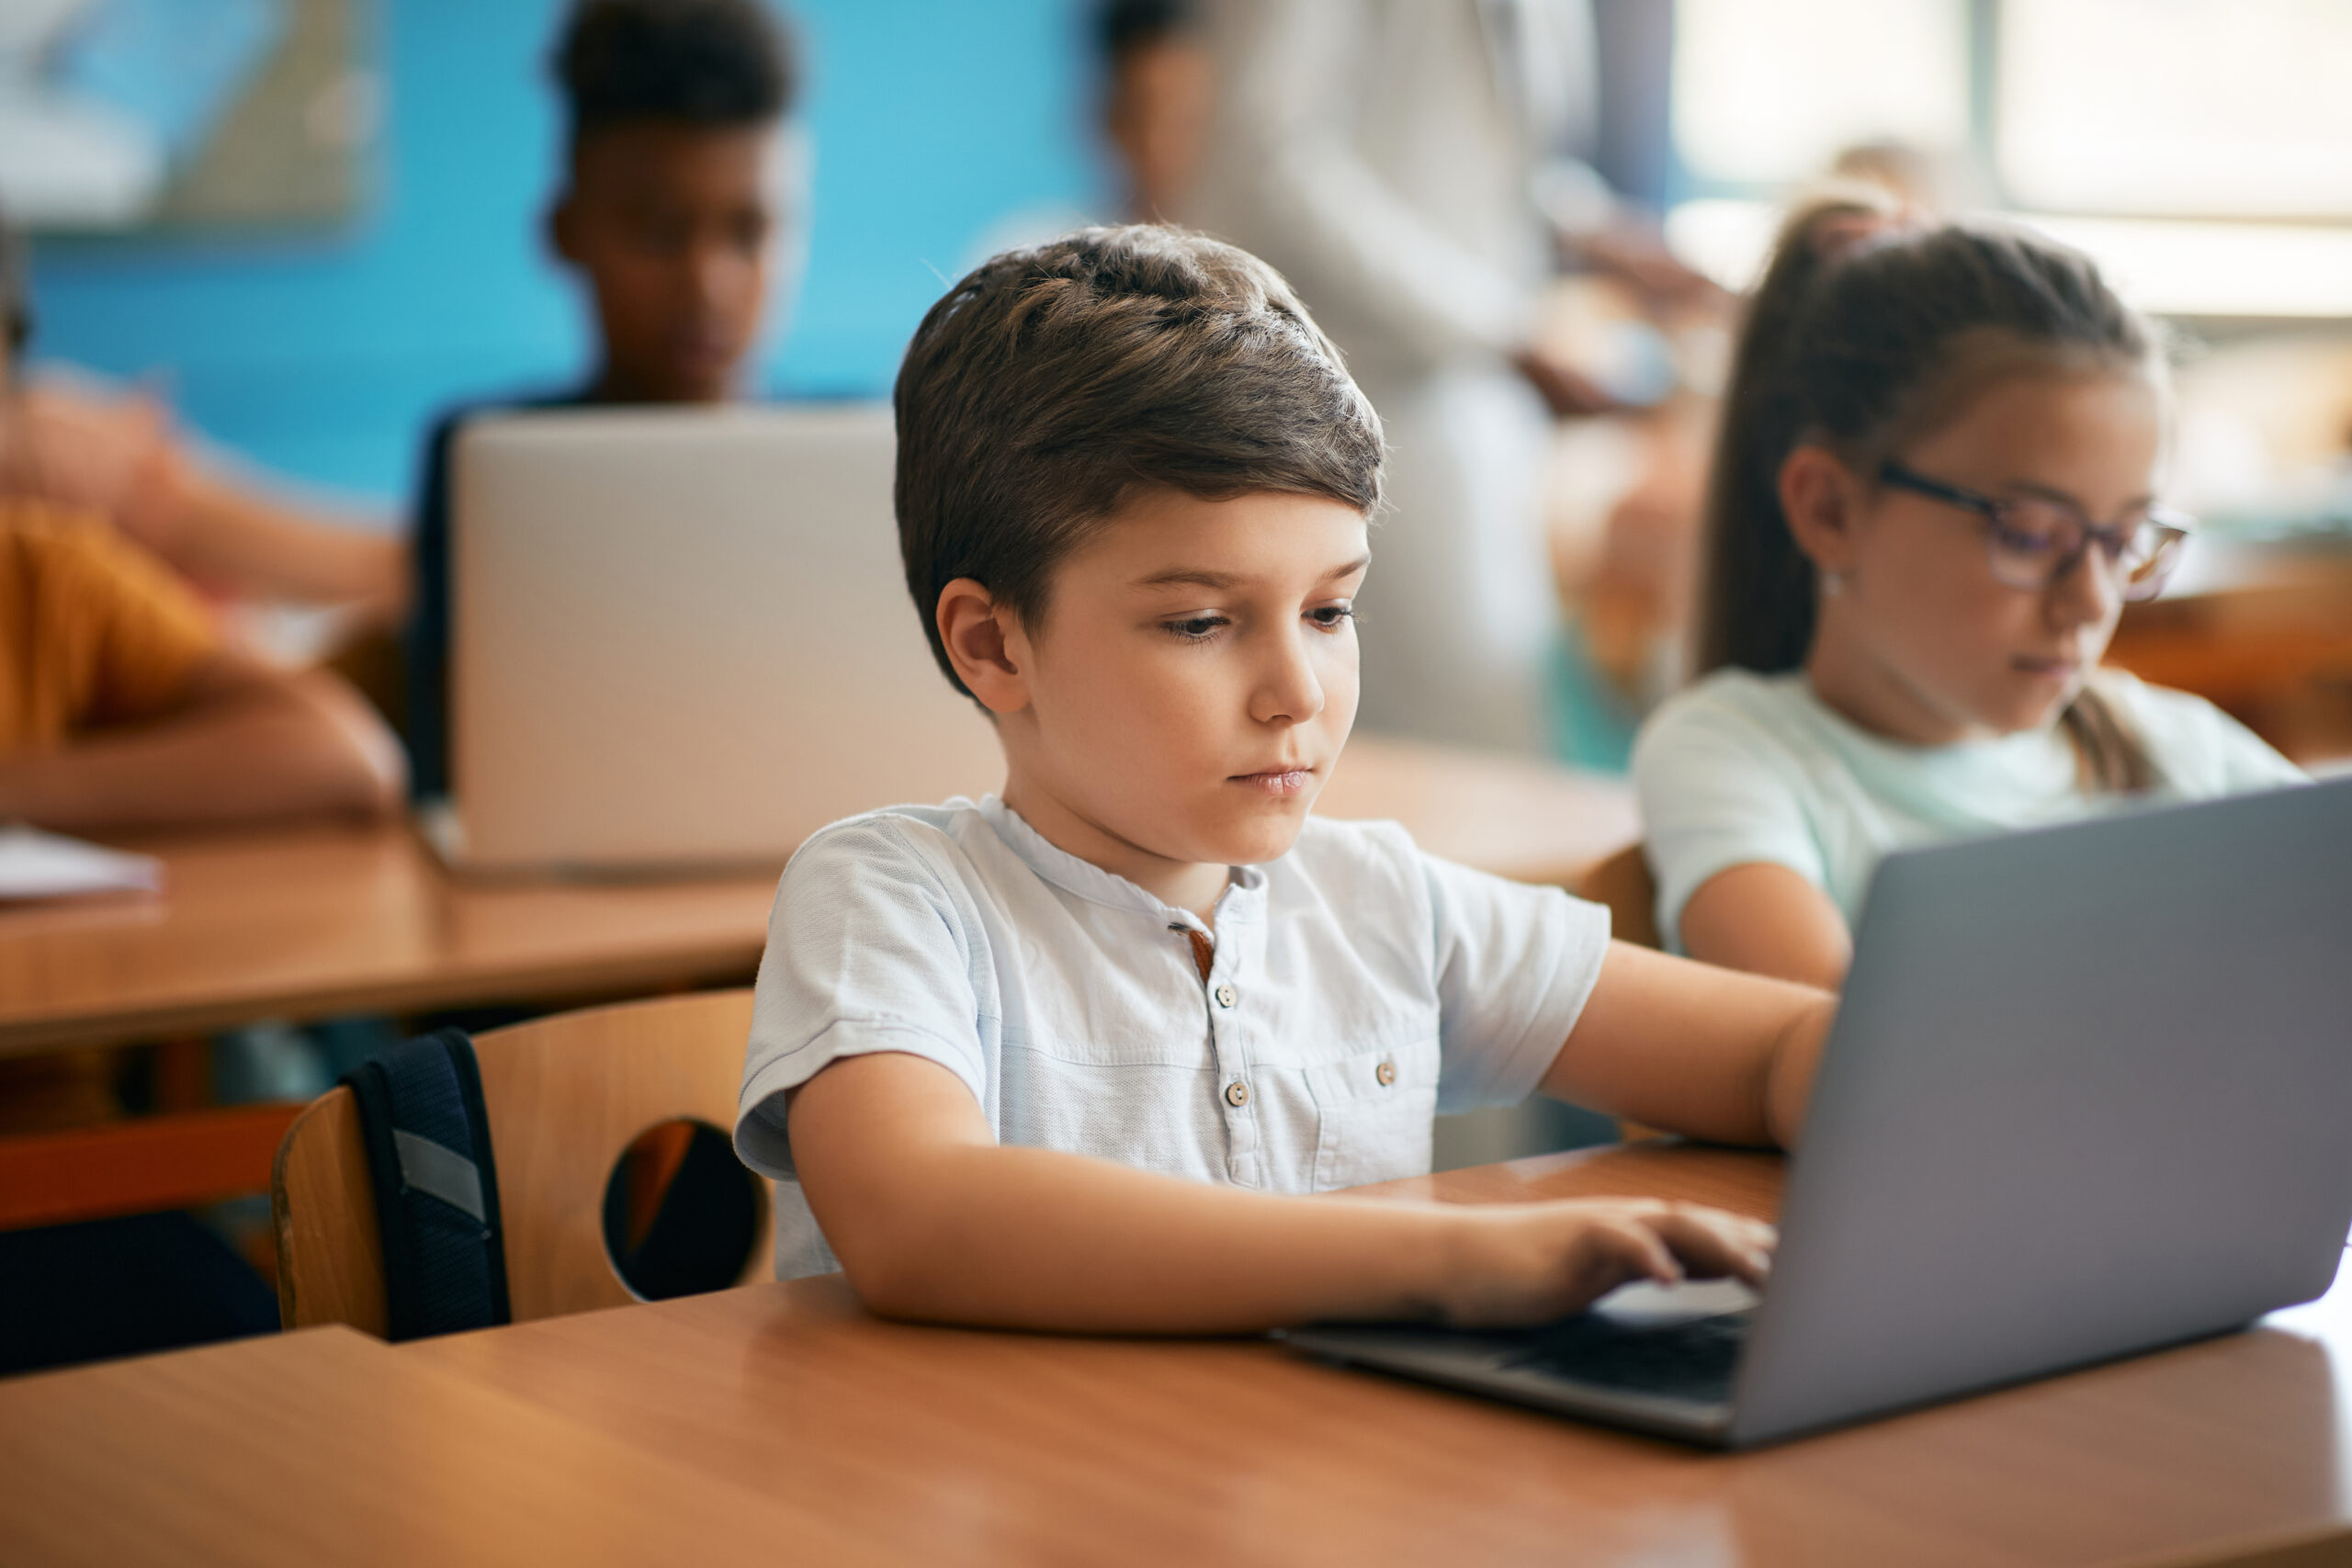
x=330 y=1447
x=947 y=1445
x=308 y=922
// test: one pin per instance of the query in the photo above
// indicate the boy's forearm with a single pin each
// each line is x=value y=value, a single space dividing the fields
x=1694 y=1049
x=1031 y=1237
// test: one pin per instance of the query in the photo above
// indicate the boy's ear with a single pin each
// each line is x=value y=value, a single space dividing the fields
x=985 y=644
x=1821 y=498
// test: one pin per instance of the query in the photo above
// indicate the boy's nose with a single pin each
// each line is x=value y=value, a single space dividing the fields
x=1288 y=688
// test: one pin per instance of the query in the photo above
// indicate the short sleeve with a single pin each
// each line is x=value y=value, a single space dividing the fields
x=1514 y=965
x=1714 y=796
x=869 y=948
x=140 y=634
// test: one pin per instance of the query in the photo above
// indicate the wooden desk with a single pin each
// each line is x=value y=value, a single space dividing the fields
x=938 y=1445
x=304 y=923
x=330 y=1447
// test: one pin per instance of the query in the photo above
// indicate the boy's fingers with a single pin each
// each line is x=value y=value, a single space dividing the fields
x=1641 y=1250
x=1711 y=1242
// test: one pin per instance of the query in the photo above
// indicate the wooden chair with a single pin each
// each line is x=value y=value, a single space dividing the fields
x=1624 y=883
x=565 y=1095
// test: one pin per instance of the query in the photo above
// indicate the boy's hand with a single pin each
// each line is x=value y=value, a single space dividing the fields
x=1529 y=1263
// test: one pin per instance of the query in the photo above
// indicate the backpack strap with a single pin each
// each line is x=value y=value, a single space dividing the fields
x=427 y=1138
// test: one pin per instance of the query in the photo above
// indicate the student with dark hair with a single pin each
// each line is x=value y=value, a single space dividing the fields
x=676 y=213
x=1934 y=489
x=1070 y=1056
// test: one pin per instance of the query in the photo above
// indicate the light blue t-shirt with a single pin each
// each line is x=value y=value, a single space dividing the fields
x=1743 y=768
x=1356 y=987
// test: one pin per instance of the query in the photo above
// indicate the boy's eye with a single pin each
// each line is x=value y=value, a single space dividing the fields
x=1332 y=617
x=1195 y=629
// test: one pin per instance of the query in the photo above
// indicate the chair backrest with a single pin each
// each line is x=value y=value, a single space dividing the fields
x=1624 y=883
x=565 y=1096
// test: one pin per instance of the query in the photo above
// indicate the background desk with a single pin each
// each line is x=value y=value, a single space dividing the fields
x=2263 y=629
x=785 y=1408
x=302 y=923
x=310 y=922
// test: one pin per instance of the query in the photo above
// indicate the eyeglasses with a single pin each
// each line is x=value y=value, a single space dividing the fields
x=2034 y=542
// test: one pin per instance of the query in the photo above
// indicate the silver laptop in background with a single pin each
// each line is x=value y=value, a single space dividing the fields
x=680 y=639
x=2089 y=1093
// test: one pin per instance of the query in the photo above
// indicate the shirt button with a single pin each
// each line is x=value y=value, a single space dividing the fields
x=1226 y=998
x=1236 y=1094
x=1386 y=1073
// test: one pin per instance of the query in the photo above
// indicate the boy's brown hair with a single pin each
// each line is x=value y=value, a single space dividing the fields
x=1049 y=384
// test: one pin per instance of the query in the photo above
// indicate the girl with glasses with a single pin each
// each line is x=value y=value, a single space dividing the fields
x=1933 y=492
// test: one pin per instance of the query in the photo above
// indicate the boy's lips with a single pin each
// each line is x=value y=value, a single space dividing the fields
x=1281 y=780
x=2056 y=666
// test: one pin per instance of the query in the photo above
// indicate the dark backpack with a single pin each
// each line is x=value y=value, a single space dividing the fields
x=429 y=1157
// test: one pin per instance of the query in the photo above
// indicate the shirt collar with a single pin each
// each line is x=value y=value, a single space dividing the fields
x=1244 y=895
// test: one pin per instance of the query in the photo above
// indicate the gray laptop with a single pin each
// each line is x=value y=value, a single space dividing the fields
x=2089 y=1093
x=682 y=638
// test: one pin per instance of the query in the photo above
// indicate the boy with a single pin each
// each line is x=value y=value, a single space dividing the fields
x=673 y=215
x=991 y=1041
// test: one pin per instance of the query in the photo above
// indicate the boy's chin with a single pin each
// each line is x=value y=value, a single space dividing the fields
x=1267 y=835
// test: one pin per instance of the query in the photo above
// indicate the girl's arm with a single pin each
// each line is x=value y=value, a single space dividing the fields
x=1693 y=1048
x=933 y=1219
x=1768 y=919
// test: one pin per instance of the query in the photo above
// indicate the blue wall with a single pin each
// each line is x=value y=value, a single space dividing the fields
x=323 y=356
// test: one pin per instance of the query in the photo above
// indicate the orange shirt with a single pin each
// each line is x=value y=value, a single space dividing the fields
x=93 y=631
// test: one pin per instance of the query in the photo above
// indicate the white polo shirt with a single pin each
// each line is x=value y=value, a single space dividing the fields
x=1356 y=987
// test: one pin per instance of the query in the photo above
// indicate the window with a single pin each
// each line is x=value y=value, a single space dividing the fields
x=2199 y=108
x=2201 y=149
x=1767 y=93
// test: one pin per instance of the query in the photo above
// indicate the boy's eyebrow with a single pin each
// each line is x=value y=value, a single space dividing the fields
x=1201 y=577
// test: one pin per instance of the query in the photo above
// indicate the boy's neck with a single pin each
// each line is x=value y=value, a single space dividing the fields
x=1183 y=884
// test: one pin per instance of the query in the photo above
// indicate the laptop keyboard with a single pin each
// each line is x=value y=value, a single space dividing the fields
x=1691 y=1360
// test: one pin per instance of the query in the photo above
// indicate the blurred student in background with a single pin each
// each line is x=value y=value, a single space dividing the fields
x=677 y=214
x=1933 y=491
x=1388 y=158
x=123 y=706
x=68 y=441
x=1158 y=91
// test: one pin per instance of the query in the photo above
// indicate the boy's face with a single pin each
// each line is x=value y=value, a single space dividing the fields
x=1192 y=683
x=673 y=226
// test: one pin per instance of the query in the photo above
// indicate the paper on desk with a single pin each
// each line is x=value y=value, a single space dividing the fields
x=34 y=864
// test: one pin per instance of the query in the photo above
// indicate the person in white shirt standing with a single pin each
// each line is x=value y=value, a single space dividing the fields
x=1411 y=167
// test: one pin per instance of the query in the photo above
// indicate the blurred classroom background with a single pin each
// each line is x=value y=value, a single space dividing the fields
x=319 y=345
x=312 y=325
